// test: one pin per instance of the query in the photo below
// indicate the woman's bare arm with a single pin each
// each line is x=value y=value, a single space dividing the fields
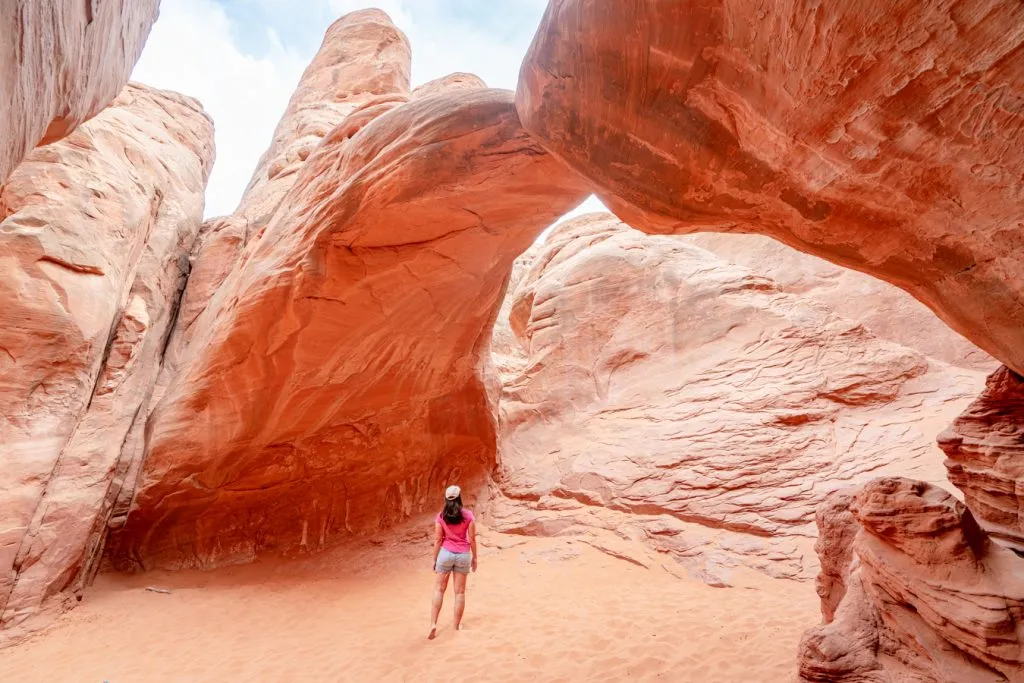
x=438 y=540
x=471 y=534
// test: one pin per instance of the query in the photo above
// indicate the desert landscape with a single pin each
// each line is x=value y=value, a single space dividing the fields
x=762 y=419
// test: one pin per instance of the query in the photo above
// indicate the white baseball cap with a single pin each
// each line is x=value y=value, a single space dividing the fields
x=452 y=492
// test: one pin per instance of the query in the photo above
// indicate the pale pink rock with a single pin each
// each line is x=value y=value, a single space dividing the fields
x=364 y=60
x=662 y=381
x=61 y=63
x=94 y=252
x=886 y=310
x=930 y=598
x=882 y=135
x=332 y=385
x=507 y=355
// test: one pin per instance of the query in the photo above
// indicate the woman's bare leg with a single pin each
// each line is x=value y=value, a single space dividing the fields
x=440 y=586
x=460 y=598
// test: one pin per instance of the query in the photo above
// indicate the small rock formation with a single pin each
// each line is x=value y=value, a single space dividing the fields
x=985 y=451
x=61 y=63
x=332 y=384
x=94 y=247
x=883 y=136
x=926 y=596
x=836 y=531
x=888 y=311
x=450 y=83
x=658 y=380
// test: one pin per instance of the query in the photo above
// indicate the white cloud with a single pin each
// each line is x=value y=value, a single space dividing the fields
x=191 y=50
x=243 y=58
x=589 y=205
x=396 y=9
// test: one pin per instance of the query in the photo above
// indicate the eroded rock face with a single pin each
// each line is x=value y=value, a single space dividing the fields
x=889 y=312
x=61 y=63
x=985 y=451
x=718 y=410
x=332 y=385
x=882 y=136
x=930 y=597
x=94 y=252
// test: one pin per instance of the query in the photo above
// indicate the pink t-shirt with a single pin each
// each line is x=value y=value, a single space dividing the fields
x=455 y=535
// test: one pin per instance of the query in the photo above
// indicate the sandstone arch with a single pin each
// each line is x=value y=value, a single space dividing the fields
x=885 y=137
x=397 y=241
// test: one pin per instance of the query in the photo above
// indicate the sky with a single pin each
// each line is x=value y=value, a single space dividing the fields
x=242 y=59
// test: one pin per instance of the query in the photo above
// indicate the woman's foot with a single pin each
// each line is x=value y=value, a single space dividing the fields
x=433 y=632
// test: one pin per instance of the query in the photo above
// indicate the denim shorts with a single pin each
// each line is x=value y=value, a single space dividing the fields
x=447 y=561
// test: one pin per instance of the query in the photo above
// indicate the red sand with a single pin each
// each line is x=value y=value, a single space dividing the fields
x=541 y=609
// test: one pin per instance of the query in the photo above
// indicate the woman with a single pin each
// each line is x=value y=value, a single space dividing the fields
x=454 y=553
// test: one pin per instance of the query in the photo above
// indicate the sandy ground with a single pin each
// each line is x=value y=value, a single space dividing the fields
x=539 y=609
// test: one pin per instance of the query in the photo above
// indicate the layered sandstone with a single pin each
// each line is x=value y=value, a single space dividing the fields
x=659 y=380
x=834 y=547
x=61 y=63
x=985 y=457
x=882 y=136
x=927 y=595
x=94 y=249
x=332 y=385
x=888 y=311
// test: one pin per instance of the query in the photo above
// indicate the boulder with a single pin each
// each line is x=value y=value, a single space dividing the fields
x=94 y=251
x=930 y=597
x=661 y=381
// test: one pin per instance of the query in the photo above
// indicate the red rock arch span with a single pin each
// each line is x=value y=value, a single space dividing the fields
x=884 y=136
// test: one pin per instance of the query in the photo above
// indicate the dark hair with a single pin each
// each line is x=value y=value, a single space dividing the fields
x=452 y=513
